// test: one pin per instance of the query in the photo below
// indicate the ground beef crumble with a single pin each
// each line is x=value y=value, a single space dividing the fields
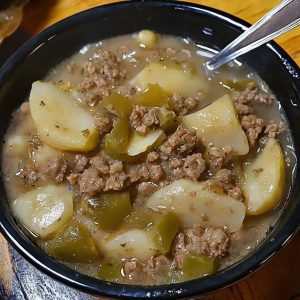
x=219 y=157
x=103 y=123
x=244 y=99
x=55 y=168
x=152 y=156
x=29 y=173
x=101 y=72
x=80 y=162
x=212 y=241
x=273 y=129
x=181 y=142
x=253 y=126
x=90 y=183
x=146 y=188
x=183 y=106
x=143 y=118
x=194 y=166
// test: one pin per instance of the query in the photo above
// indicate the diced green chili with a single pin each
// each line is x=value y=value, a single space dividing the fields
x=74 y=243
x=108 y=210
x=196 y=266
x=163 y=231
x=119 y=103
x=154 y=95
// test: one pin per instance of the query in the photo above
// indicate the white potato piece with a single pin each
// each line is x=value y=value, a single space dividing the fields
x=147 y=38
x=171 y=77
x=264 y=179
x=60 y=122
x=139 y=144
x=190 y=201
x=133 y=243
x=44 y=210
x=218 y=125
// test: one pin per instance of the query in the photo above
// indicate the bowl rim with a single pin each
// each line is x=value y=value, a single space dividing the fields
x=173 y=291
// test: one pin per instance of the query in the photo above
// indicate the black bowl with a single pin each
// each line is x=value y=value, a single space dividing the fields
x=32 y=62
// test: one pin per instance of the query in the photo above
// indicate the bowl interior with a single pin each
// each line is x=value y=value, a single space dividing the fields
x=40 y=54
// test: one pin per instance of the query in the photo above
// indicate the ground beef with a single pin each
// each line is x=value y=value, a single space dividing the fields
x=115 y=182
x=142 y=119
x=194 y=166
x=219 y=157
x=100 y=163
x=80 y=162
x=244 y=99
x=90 y=183
x=154 y=265
x=73 y=178
x=152 y=157
x=272 y=130
x=253 y=126
x=25 y=108
x=178 y=250
x=55 y=168
x=132 y=268
x=182 y=105
x=138 y=173
x=103 y=123
x=146 y=188
x=156 y=172
x=224 y=175
x=116 y=167
x=29 y=173
x=224 y=180
x=34 y=141
x=218 y=186
x=181 y=142
x=212 y=241
x=235 y=192
x=101 y=72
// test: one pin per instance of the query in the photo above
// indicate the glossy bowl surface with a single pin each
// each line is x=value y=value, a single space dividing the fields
x=204 y=25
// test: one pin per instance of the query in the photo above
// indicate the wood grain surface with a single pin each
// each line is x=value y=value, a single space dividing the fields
x=279 y=279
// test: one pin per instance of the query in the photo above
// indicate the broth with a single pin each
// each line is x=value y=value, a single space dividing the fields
x=107 y=179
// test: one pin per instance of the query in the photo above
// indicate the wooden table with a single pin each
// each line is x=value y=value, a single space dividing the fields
x=279 y=279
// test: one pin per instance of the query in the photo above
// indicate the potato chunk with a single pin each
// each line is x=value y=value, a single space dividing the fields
x=172 y=77
x=264 y=179
x=60 y=122
x=218 y=124
x=194 y=204
x=139 y=144
x=44 y=210
x=133 y=243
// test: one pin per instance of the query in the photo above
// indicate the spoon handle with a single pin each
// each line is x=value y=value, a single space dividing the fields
x=284 y=17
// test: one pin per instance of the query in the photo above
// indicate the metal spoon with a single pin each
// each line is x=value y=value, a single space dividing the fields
x=284 y=17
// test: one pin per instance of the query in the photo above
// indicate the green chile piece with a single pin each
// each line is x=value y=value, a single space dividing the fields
x=74 y=243
x=168 y=120
x=163 y=231
x=110 y=270
x=109 y=210
x=196 y=266
x=154 y=95
x=140 y=219
x=116 y=142
x=118 y=103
